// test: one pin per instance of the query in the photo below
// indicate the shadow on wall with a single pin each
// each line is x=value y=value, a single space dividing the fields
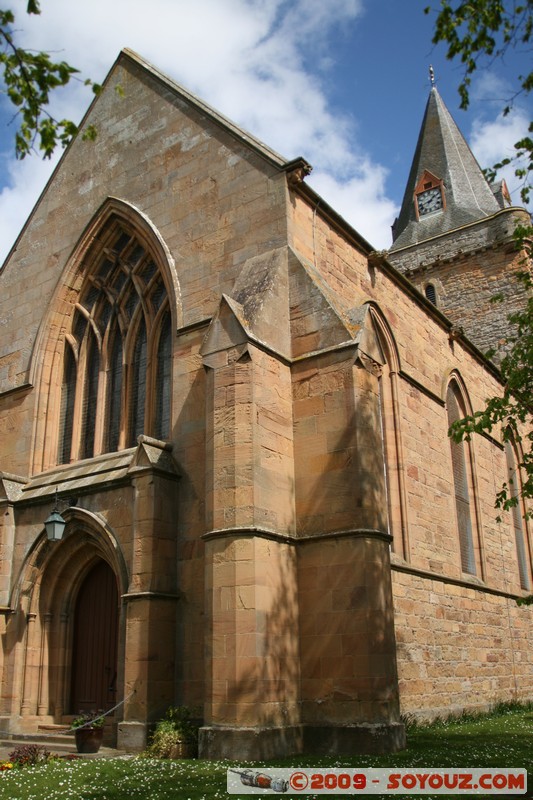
x=339 y=449
x=302 y=630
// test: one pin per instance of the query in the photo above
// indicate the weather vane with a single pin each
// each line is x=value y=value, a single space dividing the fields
x=431 y=76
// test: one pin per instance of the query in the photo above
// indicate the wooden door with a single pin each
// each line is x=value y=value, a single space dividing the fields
x=94 y=656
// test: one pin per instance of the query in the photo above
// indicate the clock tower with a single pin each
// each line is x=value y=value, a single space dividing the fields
x=454 y=234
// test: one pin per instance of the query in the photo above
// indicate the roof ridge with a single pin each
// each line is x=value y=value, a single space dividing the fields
x=236 y=130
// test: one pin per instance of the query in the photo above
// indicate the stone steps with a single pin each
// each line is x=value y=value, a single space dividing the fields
x=57 y=743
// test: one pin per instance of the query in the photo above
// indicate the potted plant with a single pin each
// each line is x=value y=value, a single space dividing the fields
x=88 y=731
x=175 y=736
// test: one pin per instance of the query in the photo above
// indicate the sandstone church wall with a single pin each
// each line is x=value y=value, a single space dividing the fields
x=287 y=546
x=459 y=647
x=217 y=205
x=457 y=634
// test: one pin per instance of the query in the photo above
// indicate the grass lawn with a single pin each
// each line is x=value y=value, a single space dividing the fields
x=501 y=740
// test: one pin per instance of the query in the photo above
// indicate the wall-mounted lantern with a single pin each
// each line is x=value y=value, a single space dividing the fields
x=55 y=525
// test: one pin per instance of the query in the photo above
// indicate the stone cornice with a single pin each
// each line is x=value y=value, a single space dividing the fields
x=484 y=221
x=24 y=387
x=467 y=583
x=106 y=471
x=150 y=596
x=264 y=533
x=11 y=487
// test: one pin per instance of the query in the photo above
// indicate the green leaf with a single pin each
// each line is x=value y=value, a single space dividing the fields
x=33 y=7
x=29 y=78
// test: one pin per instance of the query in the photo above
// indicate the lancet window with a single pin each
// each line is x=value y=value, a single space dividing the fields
x=117 y=366
x=461 y=465
x=517 y=513
x=391 y=436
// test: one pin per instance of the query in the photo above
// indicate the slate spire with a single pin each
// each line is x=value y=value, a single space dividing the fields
x=446 y=187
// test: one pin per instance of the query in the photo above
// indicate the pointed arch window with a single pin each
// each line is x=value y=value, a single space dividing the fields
x=163 y=376
x=68 y=396
x=90 y=397
x=431 y=293
x=117 y=373
x=138 y=386
x=514 y=483
x=391 y=436
x=114 y=381
x=460 y=465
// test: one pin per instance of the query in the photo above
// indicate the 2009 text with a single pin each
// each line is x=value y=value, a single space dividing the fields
x=378 y=781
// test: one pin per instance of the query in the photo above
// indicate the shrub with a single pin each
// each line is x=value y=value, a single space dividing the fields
x=176 y=735
x=29 y=754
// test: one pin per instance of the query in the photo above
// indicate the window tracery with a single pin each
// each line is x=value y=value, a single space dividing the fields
x=117 y=355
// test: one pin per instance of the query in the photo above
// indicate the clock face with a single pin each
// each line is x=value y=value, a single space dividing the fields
x=430 y=200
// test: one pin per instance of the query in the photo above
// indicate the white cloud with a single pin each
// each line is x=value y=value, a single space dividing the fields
x=491 y=88
x=493 y=140
x=361 y=200
x=25 y=181
x=247 y=58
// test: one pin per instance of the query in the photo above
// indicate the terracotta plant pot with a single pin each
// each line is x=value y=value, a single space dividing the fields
x=88 y=740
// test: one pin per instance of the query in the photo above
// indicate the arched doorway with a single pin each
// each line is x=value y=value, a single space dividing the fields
x=94 y=653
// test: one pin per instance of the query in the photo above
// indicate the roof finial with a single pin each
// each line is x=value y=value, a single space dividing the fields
x=431 y=76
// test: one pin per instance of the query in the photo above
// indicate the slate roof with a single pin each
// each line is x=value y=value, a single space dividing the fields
x=443 y=151
x=98 y=471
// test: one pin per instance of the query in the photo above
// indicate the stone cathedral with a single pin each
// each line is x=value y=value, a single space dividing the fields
x=239 y=411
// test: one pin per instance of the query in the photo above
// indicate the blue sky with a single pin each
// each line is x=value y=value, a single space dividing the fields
x=342 y=82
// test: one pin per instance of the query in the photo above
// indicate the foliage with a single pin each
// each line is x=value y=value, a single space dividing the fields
x=29 y=77
x=182 y=719
x=491 y=741
x=88 y=719
x=513 y=410
x=500 y=709
x=27 y=755
x=176 y=728
x=479 y=30
x=474 y=31
x=525 y=601
x=164 y=740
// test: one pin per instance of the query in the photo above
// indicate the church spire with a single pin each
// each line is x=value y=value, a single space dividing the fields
x=446 y=187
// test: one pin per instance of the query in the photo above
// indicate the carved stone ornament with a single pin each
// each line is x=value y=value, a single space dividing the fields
x=369 y=364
